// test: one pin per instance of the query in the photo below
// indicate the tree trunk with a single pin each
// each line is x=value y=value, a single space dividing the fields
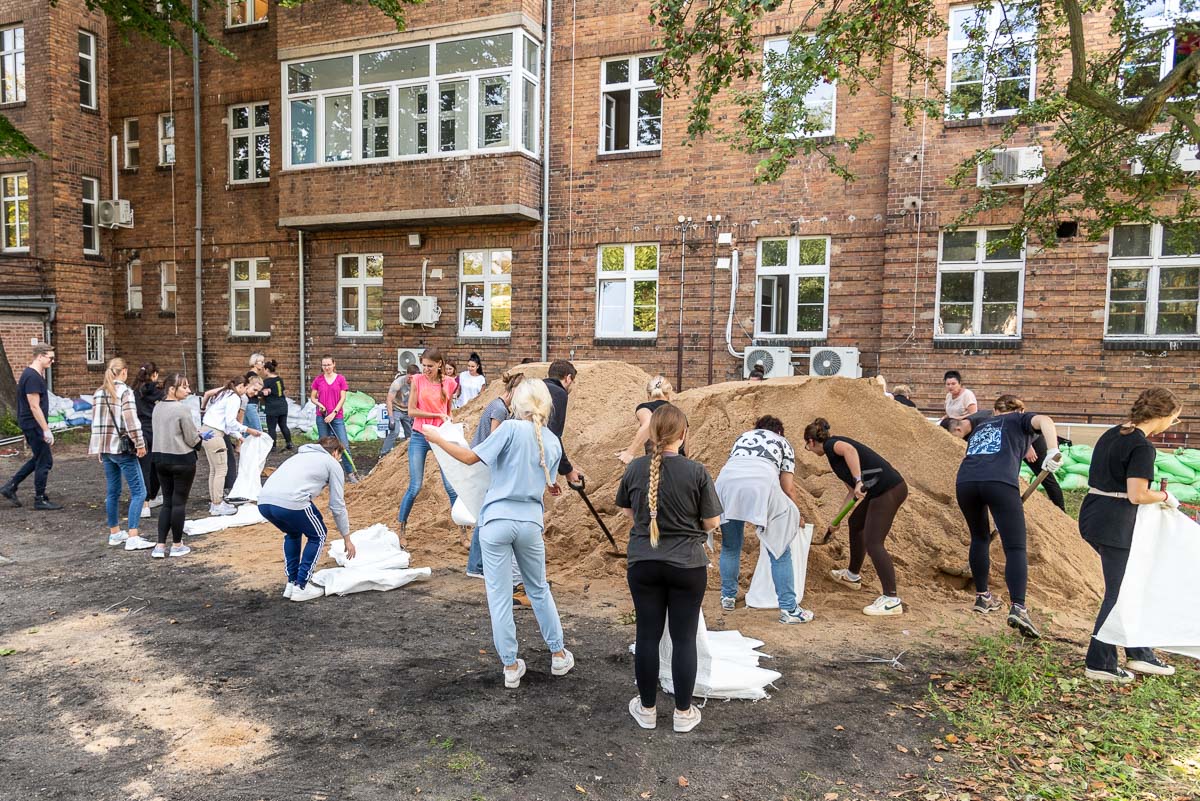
x=8 y=385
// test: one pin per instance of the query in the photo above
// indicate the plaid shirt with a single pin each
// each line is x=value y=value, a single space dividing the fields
x=105 y=436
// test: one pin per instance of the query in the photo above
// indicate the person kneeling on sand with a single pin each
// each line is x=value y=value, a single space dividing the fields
x=523 y=454
x=286 y=501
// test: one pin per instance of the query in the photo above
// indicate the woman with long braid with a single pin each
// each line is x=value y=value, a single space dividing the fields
x=523 y=455
x=673 y=505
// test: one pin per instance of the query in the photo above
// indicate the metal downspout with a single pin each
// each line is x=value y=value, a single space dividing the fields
x=303 y=357
x=546 y=184
x=199 y=178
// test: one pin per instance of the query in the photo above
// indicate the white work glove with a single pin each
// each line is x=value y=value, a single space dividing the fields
x=48 y=437
x=1053 y=460
x=1171 y=501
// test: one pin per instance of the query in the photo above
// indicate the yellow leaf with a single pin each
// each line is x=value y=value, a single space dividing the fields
x=831 y=797
x=839 y=728
x=683 y=782
x=950 y=738
x=579 y=789
x=901 y=749
x=939 y=758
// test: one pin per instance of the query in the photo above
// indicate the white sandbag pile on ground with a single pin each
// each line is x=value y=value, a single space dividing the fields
x=246 y=515
x=379 y=564
x=252 y=458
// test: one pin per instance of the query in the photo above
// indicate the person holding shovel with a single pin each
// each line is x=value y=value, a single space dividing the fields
x=878 y=491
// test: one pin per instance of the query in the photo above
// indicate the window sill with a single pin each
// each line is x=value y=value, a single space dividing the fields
x=13 y=105
x=249 y=26
x=977 y=343
x=790 y=342
x=164 y=168
x=359 y=339
x=625 y=155
x=235 y=185
x=625 y=342
x=166 y=314
x=133 y=314
x=1154 y=345
x=245 y=338
x=494 y=339
x=95 y=368
x=129 y=170
x=96 y=257
x=86 y=110
x=976 y=122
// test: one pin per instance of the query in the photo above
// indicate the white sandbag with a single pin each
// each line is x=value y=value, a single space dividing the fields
x=60 y=405
x=301 y=418
x=1160 y=581
x=379 y=564
x=246 y=515
x=761 y=594
x=461 y=515
x=377 y=546
x=252 y=458
x=192 y=402
x=470 y=482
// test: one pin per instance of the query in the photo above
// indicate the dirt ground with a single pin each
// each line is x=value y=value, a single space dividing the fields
x=136 y=679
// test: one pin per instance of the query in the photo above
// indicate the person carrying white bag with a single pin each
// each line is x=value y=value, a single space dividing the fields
x=1118 y=482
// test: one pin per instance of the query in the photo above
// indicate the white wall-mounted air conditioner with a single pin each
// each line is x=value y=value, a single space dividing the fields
x=1014 y=166
x=114 y=214
x=419 y=310
x=407 y=356
x=827 y=362
x=1187 y=157
x=776 y=362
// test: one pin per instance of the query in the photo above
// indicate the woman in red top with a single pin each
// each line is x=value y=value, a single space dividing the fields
x=428 y=405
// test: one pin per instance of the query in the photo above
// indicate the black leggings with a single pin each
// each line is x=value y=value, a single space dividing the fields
x=149 y=474
x=176 y=481
x=665 y=595
x=231 y=463
x=1101 y=655
x=869 y=525
x=279 y=420
x=976 y=499
x=1050 y=484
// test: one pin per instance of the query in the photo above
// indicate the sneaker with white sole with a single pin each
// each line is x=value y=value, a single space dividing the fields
x=307 y=592
x=561 y=667
x=1117 y=676
x=728 y=602
x=1153 y=666
x=145 y=513
x=1018 y=618
x=885 y=605
x=159 y=552
x=288 y=589
x=118 y=538
x=226 y=509
x=512 y=678
x=646 y=718
x=137 y=543
x=986 y=603
x=180 y=550
x=470 y=574
x=797 y=615
x=846 y=578
x=686 y=721
x=155 y=502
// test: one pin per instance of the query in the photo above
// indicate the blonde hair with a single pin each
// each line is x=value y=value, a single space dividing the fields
x=115 y=366
x=659 y=388
x=1008 y=403
x=902 y=389
x=667 y=425
x=531 y=401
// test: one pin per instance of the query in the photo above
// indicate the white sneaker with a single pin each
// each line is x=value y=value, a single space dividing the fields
x=1155 y=667
x=561 y=667
x=180 y=550
x=512 y=678
x=884 y=605
x=118 y=538
x=1118 y=676
x=226 y=509
x=136 y=543
x=159 y=552
x=686 y=721
x=308 y=592
x=288 y=590
x=845 y=578
x=646 y=718
x=155 y=502
x=797 y=615
x=145 y=512
x=214 y=509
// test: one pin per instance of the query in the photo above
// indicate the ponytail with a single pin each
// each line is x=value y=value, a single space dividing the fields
x=817 y=430
x=115 y=366
x=668 y=424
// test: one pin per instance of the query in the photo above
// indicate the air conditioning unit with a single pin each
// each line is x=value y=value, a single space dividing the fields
x=419 y=310
x=826 y=362
x=115 y=214
x=407 y=356
x=776 y=362
x=1187 y=157
x=1014 y=166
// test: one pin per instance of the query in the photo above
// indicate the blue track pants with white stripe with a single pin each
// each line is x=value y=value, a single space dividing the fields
x=294 y=524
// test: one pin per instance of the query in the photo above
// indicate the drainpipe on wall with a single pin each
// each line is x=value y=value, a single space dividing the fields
x=199 y=196
x=303 y=378
x=546 y=184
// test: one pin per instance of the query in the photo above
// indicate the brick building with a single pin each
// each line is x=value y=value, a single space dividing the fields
x=345 y=166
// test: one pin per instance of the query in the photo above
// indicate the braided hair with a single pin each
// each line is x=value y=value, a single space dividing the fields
x=667 y=425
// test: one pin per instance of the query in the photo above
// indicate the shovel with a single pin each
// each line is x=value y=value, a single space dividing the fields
x=847 y=509
x=580 y=488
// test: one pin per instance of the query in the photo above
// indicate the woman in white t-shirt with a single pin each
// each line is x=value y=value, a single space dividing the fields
x=470 y=381
x=960 y=401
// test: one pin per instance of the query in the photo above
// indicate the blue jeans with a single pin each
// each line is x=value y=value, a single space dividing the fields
x=418 y=448
x=401 y=422
x=295 y=524
x=783 y=573
x=252 y=419
x=115 y=466
x=500 y=541
x=337 y=429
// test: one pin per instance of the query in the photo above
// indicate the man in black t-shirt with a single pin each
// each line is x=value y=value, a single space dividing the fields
x=33 y=409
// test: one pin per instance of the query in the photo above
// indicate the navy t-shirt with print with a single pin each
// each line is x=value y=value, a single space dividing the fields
x=997 y=447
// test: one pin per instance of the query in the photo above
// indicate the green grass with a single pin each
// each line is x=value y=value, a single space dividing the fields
x=1073 y=499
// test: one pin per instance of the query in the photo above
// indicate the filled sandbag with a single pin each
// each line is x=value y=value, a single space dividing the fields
x=470 y=482
x=1186 y=493
x=379 y=564
x=1189 y=457
x=357 y=402
x=1170 y=464
x=1073 y=481
x=1078 y=468
x=1081 y=453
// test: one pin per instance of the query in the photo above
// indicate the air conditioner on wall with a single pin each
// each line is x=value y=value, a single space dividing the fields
x=407 y=356
x=1014 y=166
x=826 y=362
x=419 y=310
x=114 y=214
x=1186 y=157
x=776 y=362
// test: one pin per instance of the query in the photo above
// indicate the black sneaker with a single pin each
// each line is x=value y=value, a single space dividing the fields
x=10 y=492
x=44 y=504
x=986 y=604
x=1152 y=666
x=1116 y=675
x=1018 y=618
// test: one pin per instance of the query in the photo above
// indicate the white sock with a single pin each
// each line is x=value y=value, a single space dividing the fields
x=850 y=574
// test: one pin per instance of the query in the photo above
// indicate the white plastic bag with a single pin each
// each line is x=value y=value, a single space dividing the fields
x=246 y=515
x=252 y=457
x=379 y=564
x=761 y=594
x=470 y=482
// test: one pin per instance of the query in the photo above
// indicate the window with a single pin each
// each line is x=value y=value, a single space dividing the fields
x=1161 y=45
x=998 y=79
x=245 y=12
x=250 y=296
x=1153 y=283
x=87 y=70
x=12 y=65
x=249 y=143
x=133 y=286
x=979 y=292
x=132 y=143
x=471 y=95
x=819 y=103
x=166 y=139
x=15 y=219
x=631 y=105
x=360 y=294
x=93 y=337
x=485 y=292
x=166 y=283
x=91 y=232
x=792 y=293
x=627 y=291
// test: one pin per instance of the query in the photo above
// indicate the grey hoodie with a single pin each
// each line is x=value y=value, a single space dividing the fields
x=303 y=477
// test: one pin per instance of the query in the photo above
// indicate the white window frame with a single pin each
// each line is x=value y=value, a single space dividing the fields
x=361 y=283
x=252 y=133
x=164 y=286
x=12 y=65
x=21 y=212
x=1173 y=13
x=356 y=89
x=635 y=88
x=979 y=267
x=955 y=46
x=793 y=271
x=133 y=292
x=250 y=20
x=94 y=229
x=628 y=275
x=164 y=140
x=1153 y=264
x=831 y=86
x=131 y=146
x=488 y=281
x=249 y=286
x=90 y=58
x=93 y=344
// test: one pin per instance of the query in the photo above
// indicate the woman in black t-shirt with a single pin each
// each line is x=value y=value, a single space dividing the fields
x=1118 y=481
x=146 y=394
x=658 y=393
x=880 y=491
x=673 y=505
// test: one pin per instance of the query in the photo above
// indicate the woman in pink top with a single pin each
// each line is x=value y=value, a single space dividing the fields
x=329 y=391
x=428 y=405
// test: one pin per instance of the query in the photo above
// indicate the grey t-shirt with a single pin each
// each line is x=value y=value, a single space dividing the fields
x=496 y=410
x=402 y=387
x=686 y=496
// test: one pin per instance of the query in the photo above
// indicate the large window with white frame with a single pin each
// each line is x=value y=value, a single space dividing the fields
x=820 y=102
x=249 y=143
x=980 y=285
x=166 y=286
x=979 y=86
x=87 y=70
x=93 y=344
x=360 y=294
x=630 y=104
x=792 y=287
x=133 y=286
x=245 y=12
x=12 y=65
x=250 y=297
x=14 y=196
x=466 y=95
x=1161 y=47
x=1153 y=283
x=627 y=290
x=166 y=139
x=485 y=292
x=133 y=145
x=91 y=230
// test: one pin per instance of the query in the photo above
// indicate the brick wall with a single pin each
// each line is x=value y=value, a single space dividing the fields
x=16 y=331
